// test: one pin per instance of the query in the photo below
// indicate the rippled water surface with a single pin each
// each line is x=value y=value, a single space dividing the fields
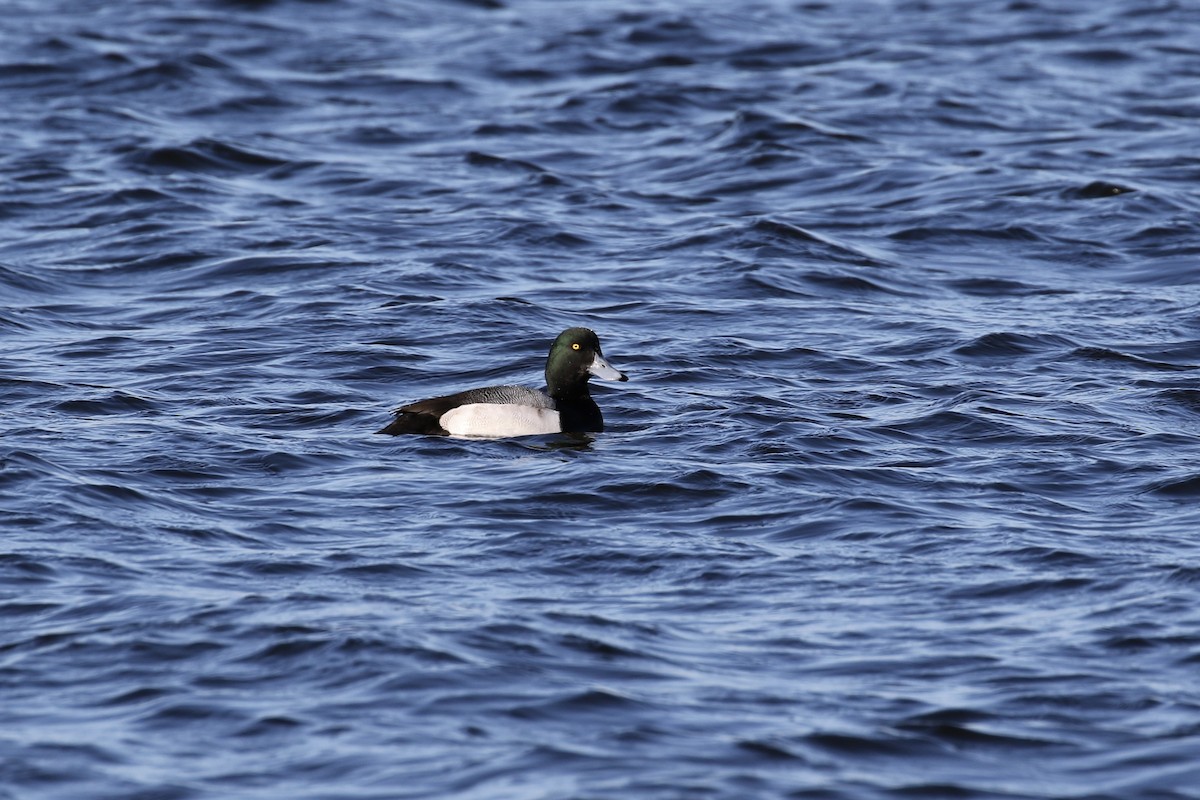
x=901 y=500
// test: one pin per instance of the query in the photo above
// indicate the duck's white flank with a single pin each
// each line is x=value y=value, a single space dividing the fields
x=497 y=420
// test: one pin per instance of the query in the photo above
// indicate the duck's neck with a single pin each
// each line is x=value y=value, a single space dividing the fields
x=568 y=392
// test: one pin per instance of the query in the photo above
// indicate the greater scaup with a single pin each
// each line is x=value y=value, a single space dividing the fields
x=501 y=411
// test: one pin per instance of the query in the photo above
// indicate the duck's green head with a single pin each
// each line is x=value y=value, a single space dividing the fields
x=574 y=357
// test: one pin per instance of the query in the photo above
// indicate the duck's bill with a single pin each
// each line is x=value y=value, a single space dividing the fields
x=605 y=371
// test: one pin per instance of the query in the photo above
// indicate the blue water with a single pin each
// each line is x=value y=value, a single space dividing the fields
x=902 y=499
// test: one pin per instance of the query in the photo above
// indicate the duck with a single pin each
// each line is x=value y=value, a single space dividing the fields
x=497 y=412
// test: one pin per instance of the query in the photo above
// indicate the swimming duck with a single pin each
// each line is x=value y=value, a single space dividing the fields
x=501 y=411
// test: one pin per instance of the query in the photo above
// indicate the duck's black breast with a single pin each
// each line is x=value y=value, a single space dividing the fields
x=580 y=414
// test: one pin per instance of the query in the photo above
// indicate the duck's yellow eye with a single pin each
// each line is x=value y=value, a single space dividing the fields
x=575 y=346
